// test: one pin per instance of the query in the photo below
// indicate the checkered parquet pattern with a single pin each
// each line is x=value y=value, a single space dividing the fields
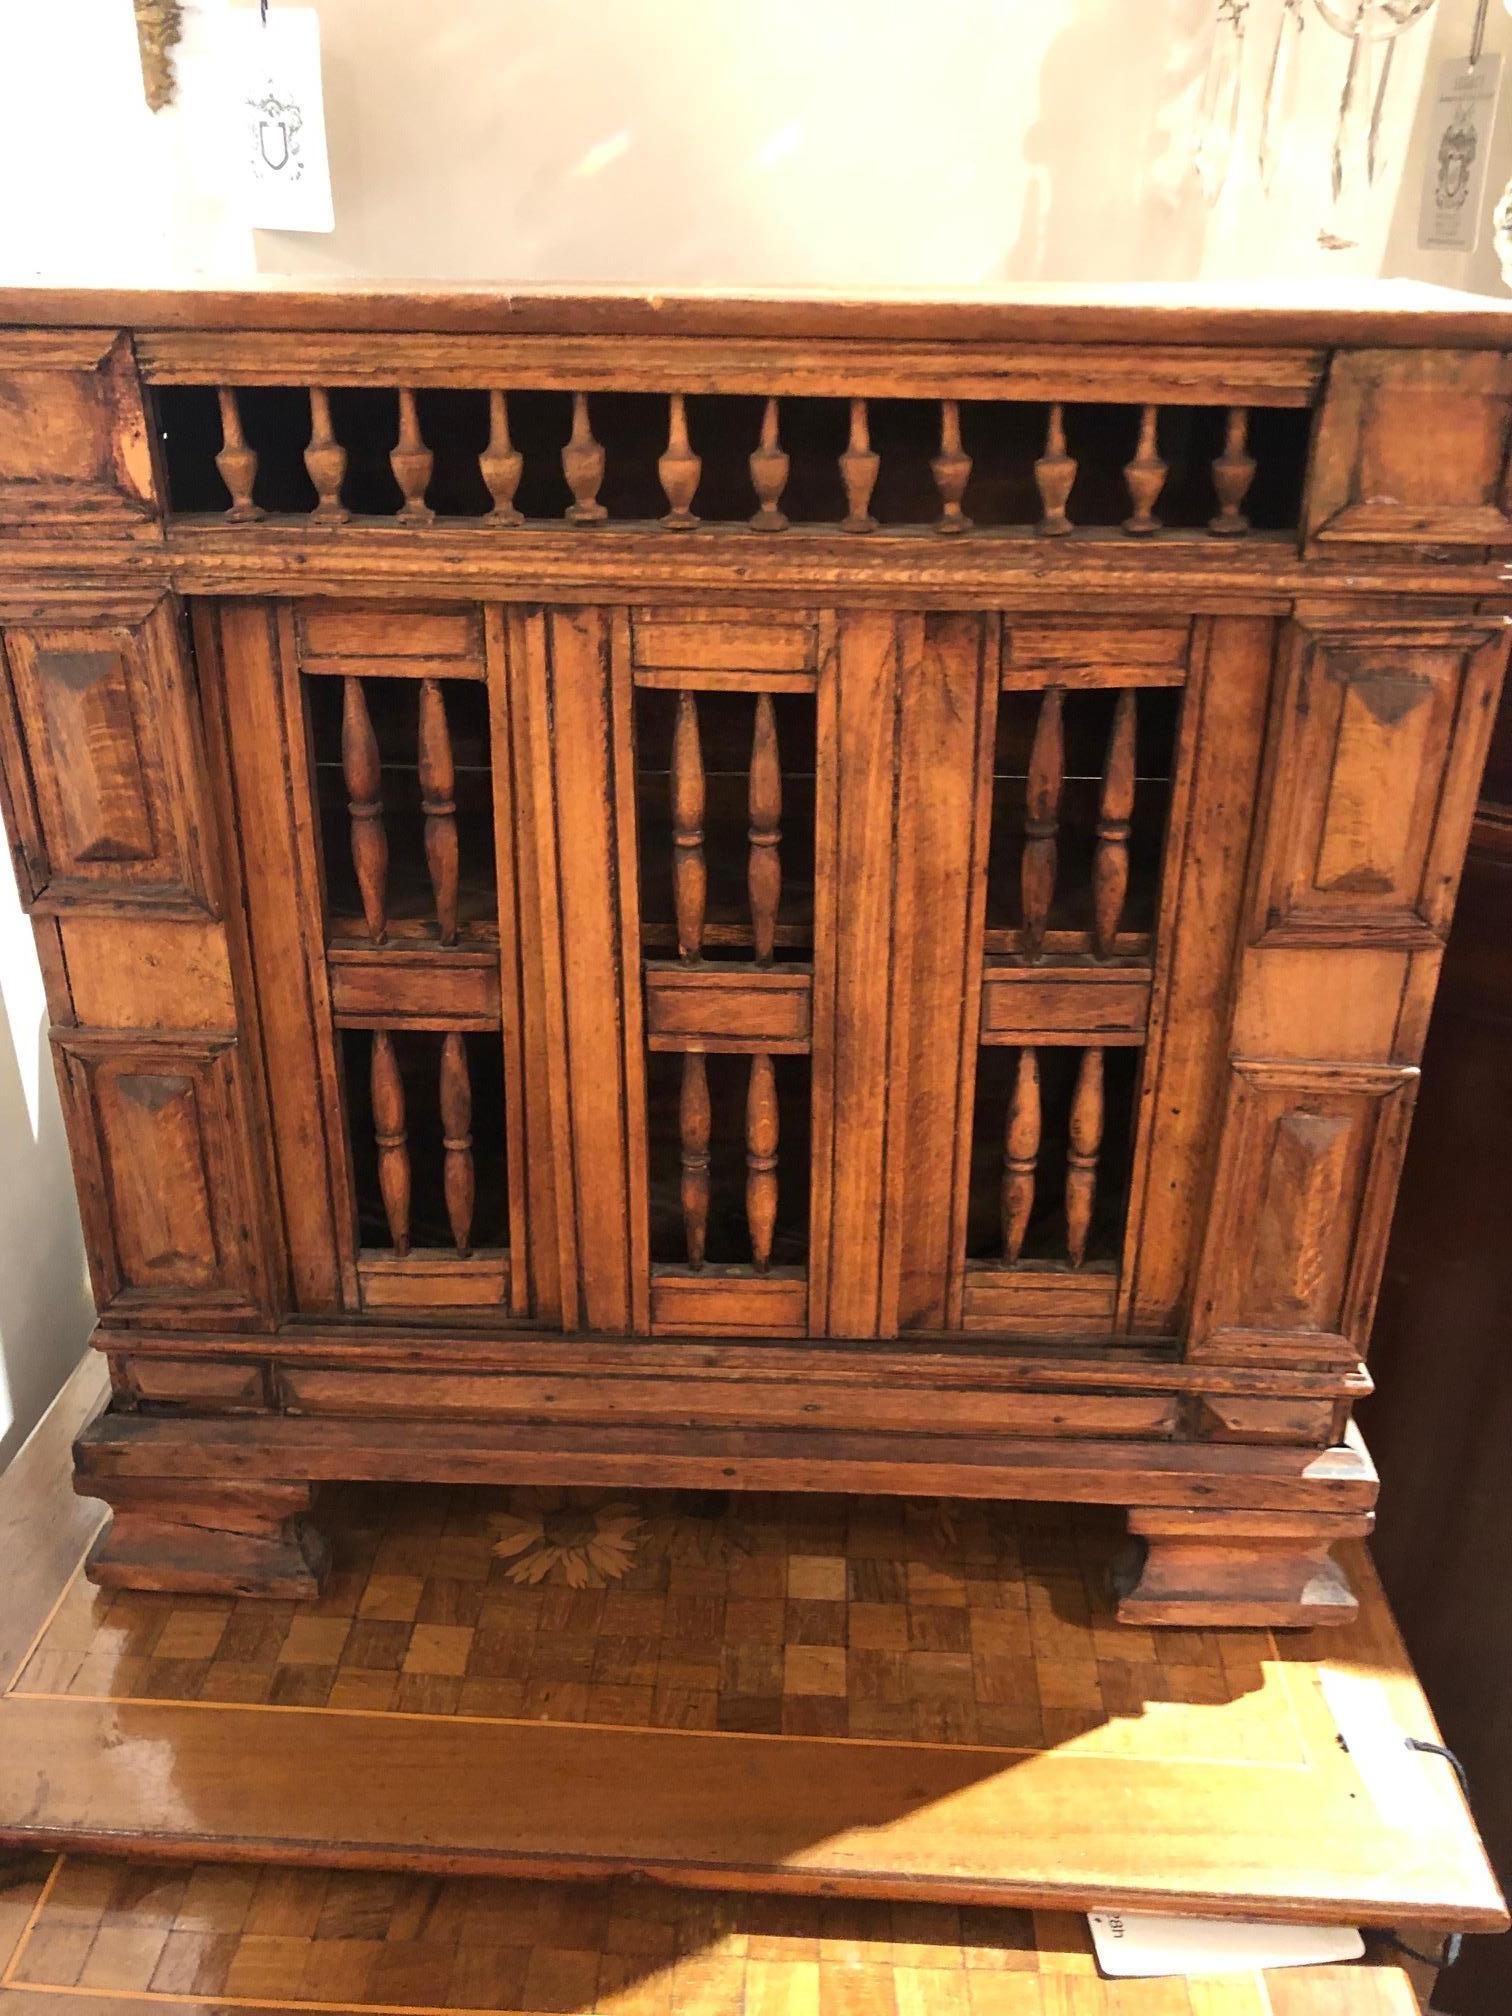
x=312 y=1939
x=869 y=1618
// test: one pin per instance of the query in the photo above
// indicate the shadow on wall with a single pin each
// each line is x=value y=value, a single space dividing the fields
x=1108 y=153
x=664 y=142
x=45 y=1306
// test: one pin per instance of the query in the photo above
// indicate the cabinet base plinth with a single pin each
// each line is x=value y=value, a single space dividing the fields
x=1233 y=1569
x=1232 y=1534
x=212 y=1539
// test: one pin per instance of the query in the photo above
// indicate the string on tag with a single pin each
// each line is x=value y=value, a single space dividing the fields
x=1477 y=39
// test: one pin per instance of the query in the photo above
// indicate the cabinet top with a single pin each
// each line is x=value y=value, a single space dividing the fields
x=1395 y=313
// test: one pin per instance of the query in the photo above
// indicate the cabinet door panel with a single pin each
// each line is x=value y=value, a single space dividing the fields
x=102 y=768
x=158 y=1130
x=1307 y=1171
x=1381 y=737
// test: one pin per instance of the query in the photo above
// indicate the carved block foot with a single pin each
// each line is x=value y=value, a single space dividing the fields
x=206 y=1539
x=1237 y=1568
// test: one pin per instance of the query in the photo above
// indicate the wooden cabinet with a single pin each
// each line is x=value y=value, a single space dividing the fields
x=745 y=894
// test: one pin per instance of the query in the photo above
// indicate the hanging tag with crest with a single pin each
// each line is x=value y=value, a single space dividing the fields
x=1462 y=115
x=280 y=170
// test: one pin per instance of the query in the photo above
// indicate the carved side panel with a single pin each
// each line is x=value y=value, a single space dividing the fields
x=1306 y=1175
x=1412 y=448
x=73 y=434
x=1381 y=735
x=102 y=771
x=158 y=1130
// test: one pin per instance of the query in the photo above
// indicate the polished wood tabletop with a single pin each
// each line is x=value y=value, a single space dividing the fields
x=924 y=1702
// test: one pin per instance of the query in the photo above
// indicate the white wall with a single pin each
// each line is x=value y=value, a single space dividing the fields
x=666 y=142
x=857 y=143
x=45 y=1310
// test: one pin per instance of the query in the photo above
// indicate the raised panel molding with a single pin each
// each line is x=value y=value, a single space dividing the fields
x=74 y=443
x=1381 y=734
x=1307 y=1170
x=1412 y=448
x=158 y=1129
x=101 y=764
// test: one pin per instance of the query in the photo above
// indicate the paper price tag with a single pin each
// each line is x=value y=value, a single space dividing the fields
x=1131 y=1944
x=1459 y=152
x=280 y=170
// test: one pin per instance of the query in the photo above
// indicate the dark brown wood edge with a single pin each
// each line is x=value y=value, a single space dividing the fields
x=232 y=1450
x=930 y=1361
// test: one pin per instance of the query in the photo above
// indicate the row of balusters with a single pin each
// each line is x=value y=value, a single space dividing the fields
x=690 y=875
x=1044 y=785
x=680 y=468
x=1021 y=1150
x=391 y=1135
x=761 y=1134
x=1021 y=1154
x=362 y=772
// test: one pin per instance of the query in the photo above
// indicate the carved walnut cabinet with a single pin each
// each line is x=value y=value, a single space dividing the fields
x=733 y=893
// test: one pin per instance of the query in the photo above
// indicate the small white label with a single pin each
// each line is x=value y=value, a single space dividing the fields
x=1459 y=152
x=281 y=172
x=1140 y=1943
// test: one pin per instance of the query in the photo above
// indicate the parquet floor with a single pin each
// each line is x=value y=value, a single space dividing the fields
x=875 y=1619
x=142 y=1938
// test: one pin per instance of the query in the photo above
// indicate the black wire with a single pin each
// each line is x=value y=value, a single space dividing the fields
x=1447 y=1958
x=1438 y=1750
x=1452 y=1944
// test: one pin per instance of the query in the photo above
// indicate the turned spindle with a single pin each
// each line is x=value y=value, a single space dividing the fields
x=679 y=468
x=761 y=1159
x=393 y=1144
x=1110 y=863
x=458 y=1180
x=326 y=461
x=438 y=801
x=689 y=873
x=1047 y=772
x=362 y=772
x=412 y=462
x=236 y=462
x=1233 y=473
x=1081 y=1157
x=1021 y=1146
x=501 y=464
x=693 y=1122
x=1054 y=476
x=1145 y=476
x=858 y=471
x=769 y=474
x=764 y=806
x=951 y=469
x=583 y=466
